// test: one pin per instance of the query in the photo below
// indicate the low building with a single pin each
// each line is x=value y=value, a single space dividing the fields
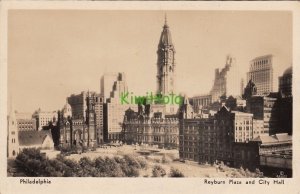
x=200 y=102
x=210 y=140
x=43 y=118
x=25 y=122
x=235 y=103
x=271 y=154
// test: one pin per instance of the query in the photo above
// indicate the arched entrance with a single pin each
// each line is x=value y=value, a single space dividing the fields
x=78 y=137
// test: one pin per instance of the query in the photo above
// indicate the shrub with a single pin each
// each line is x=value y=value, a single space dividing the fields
x=157 y=160
x=242 y=171
x=236 y=174
x=158 y=171
x=166 y=159
x=258 y=173
x=66 y=150
x=176 y=173
x=248 y=173
x=30 y=161
x=143 y=163
x=131 y=161
x=33 y=163
x=112 y=168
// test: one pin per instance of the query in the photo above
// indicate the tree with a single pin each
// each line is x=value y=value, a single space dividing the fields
x=158 y=171
x=175 y=173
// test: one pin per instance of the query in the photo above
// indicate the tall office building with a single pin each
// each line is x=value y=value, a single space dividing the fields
x=227 y=81
x=106 y=84
x=261 y=73
x=114 y=110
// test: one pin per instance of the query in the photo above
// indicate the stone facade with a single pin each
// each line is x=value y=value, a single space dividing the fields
x=81 y=126
x=152 y=129
x=211 y=139
x=26 y=124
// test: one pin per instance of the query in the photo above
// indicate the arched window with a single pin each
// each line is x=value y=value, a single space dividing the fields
x=13 y=152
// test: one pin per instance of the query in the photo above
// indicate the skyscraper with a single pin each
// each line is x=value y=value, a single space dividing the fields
x=227 y=80
x=261 y=73
x=106 y=84
x=114 y=110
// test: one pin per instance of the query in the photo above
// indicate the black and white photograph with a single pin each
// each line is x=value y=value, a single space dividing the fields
x=149 y=93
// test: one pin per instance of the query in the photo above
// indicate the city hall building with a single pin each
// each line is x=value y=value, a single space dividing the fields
x=155 y=123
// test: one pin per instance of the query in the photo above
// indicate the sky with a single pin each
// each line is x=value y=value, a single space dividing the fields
x=55 y=53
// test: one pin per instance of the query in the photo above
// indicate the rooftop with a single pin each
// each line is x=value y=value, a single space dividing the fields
x=28 y=138
x=277 y=138
x=262 y=57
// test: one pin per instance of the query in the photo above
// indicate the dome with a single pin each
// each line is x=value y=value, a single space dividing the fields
x=288 y=71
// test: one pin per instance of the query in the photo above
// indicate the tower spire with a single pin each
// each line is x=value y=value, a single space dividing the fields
x=166 y=21
x=165 y=62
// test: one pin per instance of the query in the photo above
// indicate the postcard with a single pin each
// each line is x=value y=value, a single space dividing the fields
x=149 y=96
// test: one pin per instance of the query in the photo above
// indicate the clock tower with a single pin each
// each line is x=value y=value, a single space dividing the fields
x=165 y=63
